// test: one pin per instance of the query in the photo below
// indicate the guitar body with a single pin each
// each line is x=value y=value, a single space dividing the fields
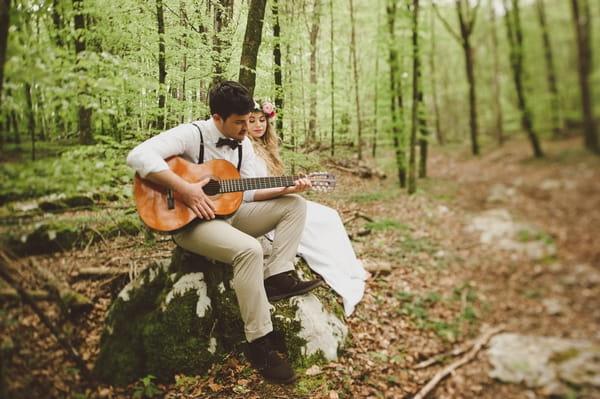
x=152 y=200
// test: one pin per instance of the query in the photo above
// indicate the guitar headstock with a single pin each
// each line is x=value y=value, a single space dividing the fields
x=322 y=181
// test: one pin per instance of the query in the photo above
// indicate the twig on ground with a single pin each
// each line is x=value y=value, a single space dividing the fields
x=479 y=343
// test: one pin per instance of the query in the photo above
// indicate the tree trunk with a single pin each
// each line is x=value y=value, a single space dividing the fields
x=4 y=24
x=396 y=106
x=467 y=16
x=582 y=21
x=30 y=119
x=84 y=114
x=223 y=14
x=314 y=36
x=162 y=65
x=356 y=82
x=332 y=73
x=466 y=29
x=550 y=70
x=439 y=133
x=252 y=40
x=496 y=79
x=515 y=38
x=412 y=170
x=277 y=74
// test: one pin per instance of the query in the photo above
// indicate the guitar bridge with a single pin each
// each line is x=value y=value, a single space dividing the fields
x=170 y=199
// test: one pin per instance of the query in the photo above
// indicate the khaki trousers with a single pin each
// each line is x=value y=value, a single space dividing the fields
x=232 y=240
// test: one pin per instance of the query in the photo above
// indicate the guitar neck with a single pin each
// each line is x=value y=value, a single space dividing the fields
x=255 y=183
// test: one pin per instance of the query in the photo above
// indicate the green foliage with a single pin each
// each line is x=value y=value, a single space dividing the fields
x=146 y=388
x=387 y=224
x=98 y=169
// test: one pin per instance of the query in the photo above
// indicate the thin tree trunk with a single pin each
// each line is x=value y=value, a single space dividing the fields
x=376 y=90
x=30 y=119
x=223 y=14
x=277 y=73
x=252 y=40
x=582 y=21
x=356 y=82
x=396 y=106
x=4 y=24
x=314 y=35
x=467 y=16
x=439 y=134
x=162 y=65
x=84 y=114
x=496 y=79
x=332 y=73
x=515 y=38
x=412 y=170
x=550 y=70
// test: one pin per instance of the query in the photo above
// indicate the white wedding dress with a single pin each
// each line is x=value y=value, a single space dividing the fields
x=327 y=250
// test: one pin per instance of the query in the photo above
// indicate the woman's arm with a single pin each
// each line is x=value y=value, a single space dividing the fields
x=302 y=184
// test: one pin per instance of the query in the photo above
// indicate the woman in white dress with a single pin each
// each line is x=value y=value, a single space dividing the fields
x=324 y=244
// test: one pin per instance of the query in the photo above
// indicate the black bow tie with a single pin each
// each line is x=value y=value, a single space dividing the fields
x=230 y=142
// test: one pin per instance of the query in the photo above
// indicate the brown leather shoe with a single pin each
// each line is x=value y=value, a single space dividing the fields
x=285 y=285
x=270 y=363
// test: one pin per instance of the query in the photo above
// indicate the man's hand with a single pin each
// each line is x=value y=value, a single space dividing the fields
x=196 y=199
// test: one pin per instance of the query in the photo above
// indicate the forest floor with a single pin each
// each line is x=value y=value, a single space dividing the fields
x=442 y=288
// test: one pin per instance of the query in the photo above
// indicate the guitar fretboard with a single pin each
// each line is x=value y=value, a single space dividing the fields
x=254 y=183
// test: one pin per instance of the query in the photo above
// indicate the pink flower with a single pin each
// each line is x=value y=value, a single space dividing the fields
x=268 y=109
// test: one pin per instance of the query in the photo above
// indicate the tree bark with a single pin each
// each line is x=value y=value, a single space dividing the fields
x=550 y=70
x=314 y=36
x=356 y=81
x=4 y=24
x=515 y=39
x=252 y=40
x=223 y=14
x=496 y=79
x=467 y=16
x=412 y=172
x=582 y=21
x=162 y=65
x=396 y=106
x=332 y=73
x=439 y=133
x=277 y=71
x=84 y=114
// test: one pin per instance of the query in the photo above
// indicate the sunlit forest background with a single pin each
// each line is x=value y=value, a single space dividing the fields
x=341 y=72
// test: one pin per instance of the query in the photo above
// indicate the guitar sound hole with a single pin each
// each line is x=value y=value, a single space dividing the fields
x=212 y=187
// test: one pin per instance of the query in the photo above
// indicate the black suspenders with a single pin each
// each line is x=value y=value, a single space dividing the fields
x=201 y=151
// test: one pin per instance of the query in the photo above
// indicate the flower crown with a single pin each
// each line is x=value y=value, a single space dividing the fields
x=266 y=107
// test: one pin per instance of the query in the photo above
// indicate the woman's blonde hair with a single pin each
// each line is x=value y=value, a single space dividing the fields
x=267 y=147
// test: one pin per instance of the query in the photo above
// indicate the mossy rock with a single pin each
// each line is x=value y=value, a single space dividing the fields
x=183 y=317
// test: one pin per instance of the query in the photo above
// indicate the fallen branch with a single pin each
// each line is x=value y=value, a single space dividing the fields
x=356 y=216
x=479 y=343
x=68 y=298
x=11 y=293
x=101 y=271
x=5 y=273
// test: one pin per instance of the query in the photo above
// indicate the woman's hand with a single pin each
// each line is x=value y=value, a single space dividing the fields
x=301 y=184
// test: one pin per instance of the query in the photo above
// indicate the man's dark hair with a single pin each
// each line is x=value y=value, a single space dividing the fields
x=228 y=98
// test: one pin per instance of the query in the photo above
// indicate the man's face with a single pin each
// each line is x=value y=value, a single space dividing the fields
x=234 y=127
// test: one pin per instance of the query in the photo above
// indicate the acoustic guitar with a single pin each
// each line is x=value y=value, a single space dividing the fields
x=162 y=210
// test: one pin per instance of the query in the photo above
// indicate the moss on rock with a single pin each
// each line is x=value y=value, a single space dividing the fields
x=182 y=318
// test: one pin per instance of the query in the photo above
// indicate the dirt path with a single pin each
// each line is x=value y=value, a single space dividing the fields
x=443 y=288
